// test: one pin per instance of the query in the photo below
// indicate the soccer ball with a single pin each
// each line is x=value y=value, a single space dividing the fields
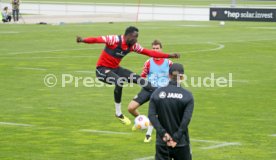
x=141 y=122
x=222 y=23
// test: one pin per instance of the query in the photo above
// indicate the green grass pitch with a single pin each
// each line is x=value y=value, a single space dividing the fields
x=243 y=114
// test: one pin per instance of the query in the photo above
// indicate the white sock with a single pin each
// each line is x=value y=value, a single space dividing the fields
x=118 y=109
x=150 y=129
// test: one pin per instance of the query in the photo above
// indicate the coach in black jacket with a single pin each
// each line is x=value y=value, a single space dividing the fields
x=170 y=112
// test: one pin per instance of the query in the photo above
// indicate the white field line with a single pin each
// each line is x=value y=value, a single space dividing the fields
x=196 y=25
x=15 y=124
x=217 y=144
x=58 y=57
x=104 y=132
x=246 y=41
x=205 y=141
x=220 y=46
x=263 y=27
x=43 y=69
x=221 y=145
x=8 y=32
x=145 y=158
x=50 y=51
x=85 y=72
x=273 y=135
x=30 y=68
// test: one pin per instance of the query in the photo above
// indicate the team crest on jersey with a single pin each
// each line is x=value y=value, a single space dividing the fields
x=175 y=95
x=120 y=54
x=162 y=95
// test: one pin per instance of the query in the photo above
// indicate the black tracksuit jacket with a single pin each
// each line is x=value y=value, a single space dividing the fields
x=170 y=111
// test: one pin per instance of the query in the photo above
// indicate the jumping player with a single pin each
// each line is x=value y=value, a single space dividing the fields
x=156 y=70
x=108 y=69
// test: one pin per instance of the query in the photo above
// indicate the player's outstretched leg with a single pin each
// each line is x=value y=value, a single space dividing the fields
x=118 y=96
x=142 y=97
x=148 y=134
x=108 y=75
x=132 y=108
x=134 y=78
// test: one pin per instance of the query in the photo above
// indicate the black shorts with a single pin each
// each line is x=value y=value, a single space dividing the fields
x=111 y=75
x=120 y=75
x=142 y=97
x=177 y=153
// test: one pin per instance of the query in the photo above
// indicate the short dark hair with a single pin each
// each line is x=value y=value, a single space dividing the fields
x=157 y=42
x=176 y=70
x=131 y=29
x=6 y=8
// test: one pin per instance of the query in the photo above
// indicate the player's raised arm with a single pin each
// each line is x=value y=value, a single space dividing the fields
x=109 y=40
x=90 y=40
x=151 y=53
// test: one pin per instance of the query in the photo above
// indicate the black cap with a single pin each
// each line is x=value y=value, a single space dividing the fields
x=176 y=68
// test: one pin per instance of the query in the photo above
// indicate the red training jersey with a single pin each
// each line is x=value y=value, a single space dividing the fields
x=112 y=42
